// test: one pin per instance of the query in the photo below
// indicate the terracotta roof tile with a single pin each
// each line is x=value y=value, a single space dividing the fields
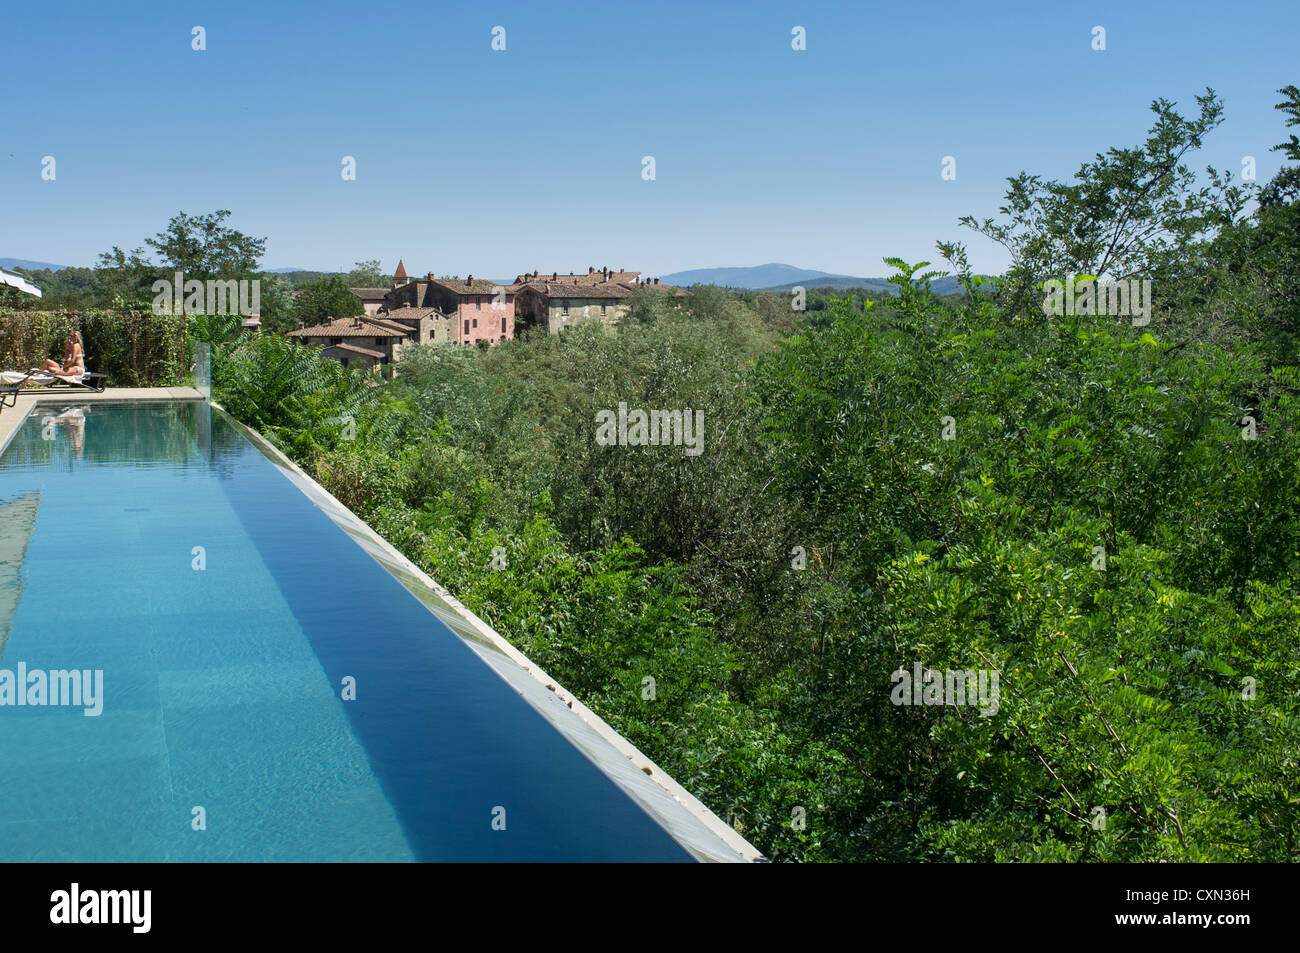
x=359 y=327
x=405 y=313
x=466 y=286
x=556 y=289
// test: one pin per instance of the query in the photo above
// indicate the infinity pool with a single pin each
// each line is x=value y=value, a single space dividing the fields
x=227 y=612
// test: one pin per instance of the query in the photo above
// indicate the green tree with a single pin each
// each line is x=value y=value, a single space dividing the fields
x=367 y=274
x=324 y=299
x=1136 y=211
x=203 y=247
x=123 y=279
x=277 y=304
x=1250 y=275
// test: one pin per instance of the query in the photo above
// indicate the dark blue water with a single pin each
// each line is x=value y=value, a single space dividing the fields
x=222 y=684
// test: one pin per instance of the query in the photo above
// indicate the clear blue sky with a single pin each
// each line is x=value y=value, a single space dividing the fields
x=474 y=161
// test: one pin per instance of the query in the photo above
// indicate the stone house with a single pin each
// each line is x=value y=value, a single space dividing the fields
x=372 y=299
x=359 y=341
x=557 y=301
x=557 y=305
x=459 y=310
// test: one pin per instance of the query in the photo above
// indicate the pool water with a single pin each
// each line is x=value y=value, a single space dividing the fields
x=223 y=684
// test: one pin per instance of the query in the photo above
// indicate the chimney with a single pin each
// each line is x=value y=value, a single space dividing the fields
x=605 y=271
x=656 y=281
x=534 y=272
x=555 y=276
x=591 y=270
x=469 y=282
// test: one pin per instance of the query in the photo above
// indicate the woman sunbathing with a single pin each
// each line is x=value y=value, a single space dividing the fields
x=74 y=358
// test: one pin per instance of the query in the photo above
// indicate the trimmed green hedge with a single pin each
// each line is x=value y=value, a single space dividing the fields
x=134 y=349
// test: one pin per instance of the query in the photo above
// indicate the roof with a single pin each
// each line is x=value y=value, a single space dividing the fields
x=370 y=294
x=680 y=292
x=385 y=322
x=357 y=349
x=408 y=314
x=468 y=286
x=575 y=278
x=401 y=269
x=560 y=289
x=358 y=327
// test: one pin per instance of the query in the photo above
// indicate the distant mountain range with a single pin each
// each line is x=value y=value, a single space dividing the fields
x=770 y=277
x=32 y=265
x=778 y=277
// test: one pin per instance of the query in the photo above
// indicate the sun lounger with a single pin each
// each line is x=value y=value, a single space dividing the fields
x=35 y=378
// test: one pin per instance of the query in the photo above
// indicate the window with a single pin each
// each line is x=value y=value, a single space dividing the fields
x=478 y=302
x=466 y=328
x=476 y=322
x=503 y=326
x=602 y=310
x=564 y=308
x=334 y=341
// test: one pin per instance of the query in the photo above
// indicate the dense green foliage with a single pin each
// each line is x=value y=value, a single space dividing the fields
x=325 y=299
x=1106 y=515
x=202 y=247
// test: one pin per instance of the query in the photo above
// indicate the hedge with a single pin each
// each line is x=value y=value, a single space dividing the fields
x=133 y=349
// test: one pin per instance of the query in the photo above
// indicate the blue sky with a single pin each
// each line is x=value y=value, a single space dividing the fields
x=475 y=161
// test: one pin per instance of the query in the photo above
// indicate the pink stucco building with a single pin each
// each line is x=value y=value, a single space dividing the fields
x=478 y=311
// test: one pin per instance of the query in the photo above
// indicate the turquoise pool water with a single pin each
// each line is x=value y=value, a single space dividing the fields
x=222 y=685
